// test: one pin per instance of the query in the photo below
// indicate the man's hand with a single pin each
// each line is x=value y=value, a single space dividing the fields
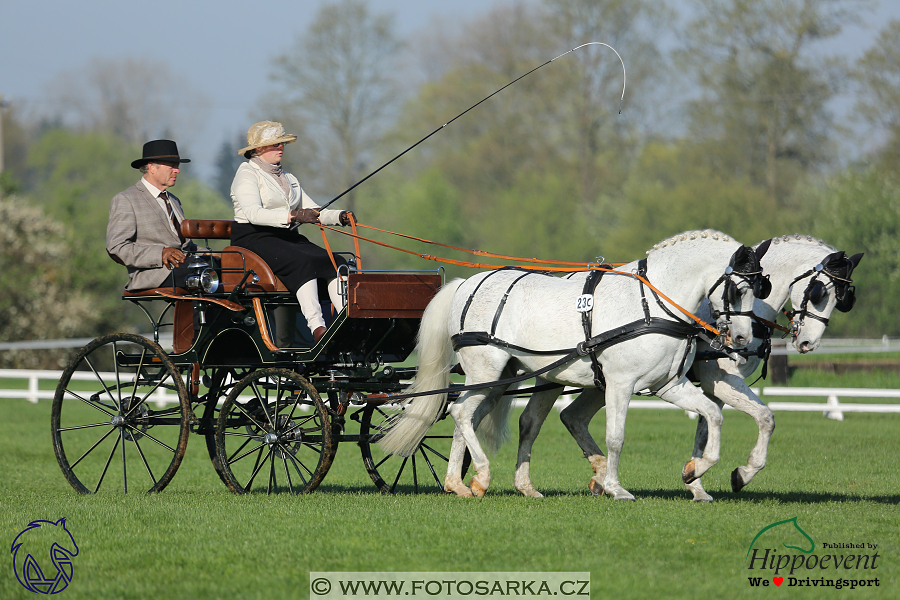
x=172 y=257
x=305 y=215
x=345 y=217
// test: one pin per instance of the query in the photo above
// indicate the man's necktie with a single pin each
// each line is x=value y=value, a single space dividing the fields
x=165 y=196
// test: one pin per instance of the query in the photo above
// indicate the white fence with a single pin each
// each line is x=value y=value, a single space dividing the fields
x=832 y=408
x=160 y=396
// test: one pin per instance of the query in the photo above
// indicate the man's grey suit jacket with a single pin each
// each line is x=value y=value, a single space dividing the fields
x=138 y=230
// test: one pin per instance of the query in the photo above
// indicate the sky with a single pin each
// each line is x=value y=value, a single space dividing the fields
x=224 y=48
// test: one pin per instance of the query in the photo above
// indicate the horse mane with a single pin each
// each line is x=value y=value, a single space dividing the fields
x=711 y=234
x=798 y=237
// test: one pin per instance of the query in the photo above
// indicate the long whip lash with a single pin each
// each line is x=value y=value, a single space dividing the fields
x=367 y=177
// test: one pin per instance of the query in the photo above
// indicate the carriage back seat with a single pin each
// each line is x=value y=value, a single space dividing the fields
x=235 y=260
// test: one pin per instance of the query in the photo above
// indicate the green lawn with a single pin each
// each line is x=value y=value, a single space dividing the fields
x=197 y=540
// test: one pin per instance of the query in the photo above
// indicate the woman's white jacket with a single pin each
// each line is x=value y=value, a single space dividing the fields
x=259 y=199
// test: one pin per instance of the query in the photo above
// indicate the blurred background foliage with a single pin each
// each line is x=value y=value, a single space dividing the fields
x=727 y=123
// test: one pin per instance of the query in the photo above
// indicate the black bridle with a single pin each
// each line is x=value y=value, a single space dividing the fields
x=836 y=268
x=744 y=265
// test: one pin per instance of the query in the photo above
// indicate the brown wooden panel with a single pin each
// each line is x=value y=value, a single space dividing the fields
x=183 y=334
x=390 y=295
x=233 y=271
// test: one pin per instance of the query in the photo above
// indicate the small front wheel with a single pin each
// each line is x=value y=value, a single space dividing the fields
x=274 y=434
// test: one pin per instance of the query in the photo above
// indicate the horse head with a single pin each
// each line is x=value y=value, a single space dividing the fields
x=828 y=285
x=742 y=283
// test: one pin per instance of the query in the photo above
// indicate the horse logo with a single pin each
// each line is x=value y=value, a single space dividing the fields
x=787 y=532
x=38 y=541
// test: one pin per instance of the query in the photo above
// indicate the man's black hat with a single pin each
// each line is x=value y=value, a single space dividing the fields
x=159 y=151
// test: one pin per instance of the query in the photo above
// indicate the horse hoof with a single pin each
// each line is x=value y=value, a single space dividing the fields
x=704 y=498
x=531 y=493
x=737 y=482
x=595 y=487
x=460 y=490
x=477 y=489
x=623 y=495
x=688 y=473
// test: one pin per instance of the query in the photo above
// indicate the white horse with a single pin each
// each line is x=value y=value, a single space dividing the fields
x=788 y=260
x=512 y=322
x=817 y=278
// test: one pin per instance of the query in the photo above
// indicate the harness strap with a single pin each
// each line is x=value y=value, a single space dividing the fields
x=590 y=285
x=503 y=300
x=462 y=317
x=483 y=338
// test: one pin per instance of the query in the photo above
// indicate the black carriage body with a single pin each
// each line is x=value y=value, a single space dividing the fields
x=248 y=339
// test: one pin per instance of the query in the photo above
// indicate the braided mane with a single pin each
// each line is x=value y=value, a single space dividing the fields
x=711 y=234
x=797 y=237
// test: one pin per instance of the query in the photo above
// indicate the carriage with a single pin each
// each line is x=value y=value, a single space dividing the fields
x=272 y=404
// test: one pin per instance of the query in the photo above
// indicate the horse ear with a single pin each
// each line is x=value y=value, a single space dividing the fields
x=854 y=260
x=762 y=249
x=739 y=258
x=834 y=258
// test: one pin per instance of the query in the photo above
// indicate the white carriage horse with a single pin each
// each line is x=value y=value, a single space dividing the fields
x=503 y=323
x=823 y=275
x=817 y=277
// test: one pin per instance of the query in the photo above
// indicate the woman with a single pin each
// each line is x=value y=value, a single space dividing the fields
x=267 y=203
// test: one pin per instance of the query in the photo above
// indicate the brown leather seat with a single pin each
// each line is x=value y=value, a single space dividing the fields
x=210 y=229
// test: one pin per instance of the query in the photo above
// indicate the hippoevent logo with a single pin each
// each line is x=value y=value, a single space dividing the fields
x=42 y=556
x=784 y=554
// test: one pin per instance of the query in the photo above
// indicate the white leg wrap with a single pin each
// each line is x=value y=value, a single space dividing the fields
x=334 y=292
x=308 y=297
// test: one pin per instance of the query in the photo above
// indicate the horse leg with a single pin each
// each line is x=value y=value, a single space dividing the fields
x=530 y=422
x=735 y=392
x=467 y=412
x=453 y=480
x=700 y=437
x=576 y=417
x=617 y=398
x=684 y=395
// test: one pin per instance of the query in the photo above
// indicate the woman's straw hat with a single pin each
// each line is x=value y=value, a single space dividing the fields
x=265 y=133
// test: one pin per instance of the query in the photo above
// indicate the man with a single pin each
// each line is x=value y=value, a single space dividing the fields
x=144 y=222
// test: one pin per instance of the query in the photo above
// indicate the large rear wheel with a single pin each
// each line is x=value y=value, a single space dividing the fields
x=274 y=435
x=121 y=416
x=421 y=472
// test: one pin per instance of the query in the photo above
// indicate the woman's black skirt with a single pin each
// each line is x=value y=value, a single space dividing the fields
x=293 y=258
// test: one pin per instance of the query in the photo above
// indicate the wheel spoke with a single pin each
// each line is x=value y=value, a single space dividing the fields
x=108 y=460
x=97 y=443
x=150 y=437
x=143 y=459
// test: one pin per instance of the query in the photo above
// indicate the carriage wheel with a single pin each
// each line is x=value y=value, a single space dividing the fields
x=222 y=381
x=108 y=412
x=274 y=433
x=421 y=472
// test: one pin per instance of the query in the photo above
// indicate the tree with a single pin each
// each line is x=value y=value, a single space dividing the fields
x=337 y=86
x=39 y=300
x=859 y=211
x=763 y=112
x=878 y=75
x=135 y=100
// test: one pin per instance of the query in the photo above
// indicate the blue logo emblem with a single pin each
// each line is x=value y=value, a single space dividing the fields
x=41 y=544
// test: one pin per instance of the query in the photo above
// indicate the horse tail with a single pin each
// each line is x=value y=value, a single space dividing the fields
x=494 y=427
x=435 y=355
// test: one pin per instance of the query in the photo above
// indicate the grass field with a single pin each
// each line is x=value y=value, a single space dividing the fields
x=197 y=540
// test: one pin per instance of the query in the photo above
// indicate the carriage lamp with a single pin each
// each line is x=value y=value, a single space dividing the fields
x=202 y=276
